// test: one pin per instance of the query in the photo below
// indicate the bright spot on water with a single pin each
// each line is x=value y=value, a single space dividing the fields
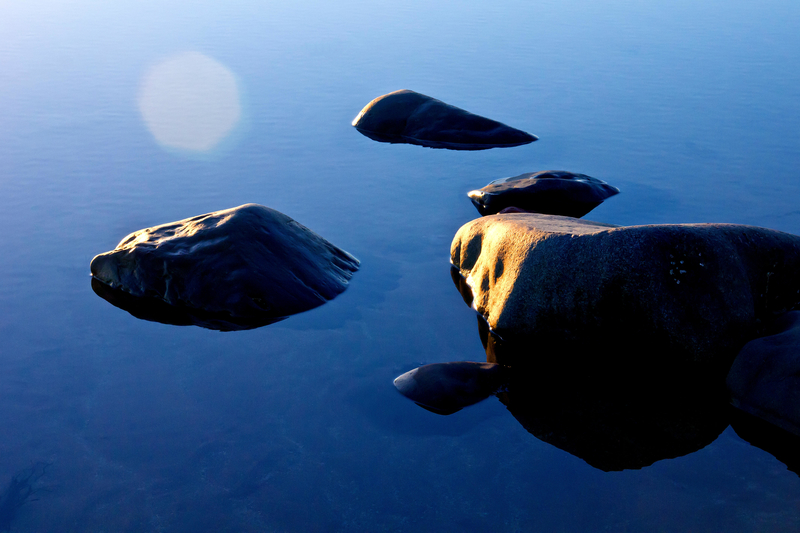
x=189 y=102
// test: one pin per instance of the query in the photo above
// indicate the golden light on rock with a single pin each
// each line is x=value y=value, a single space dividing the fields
x=189 y=102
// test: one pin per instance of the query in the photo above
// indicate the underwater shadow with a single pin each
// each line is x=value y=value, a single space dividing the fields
x=19 y=492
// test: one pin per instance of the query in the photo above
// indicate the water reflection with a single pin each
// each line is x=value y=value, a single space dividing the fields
x=189 y=102
x=614 y=418
x=157 y=310
x=618 y=420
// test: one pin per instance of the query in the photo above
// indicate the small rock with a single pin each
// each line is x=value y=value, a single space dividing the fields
x=445 y=388
x=250 y=265
x=413 y=118
x=551 y=192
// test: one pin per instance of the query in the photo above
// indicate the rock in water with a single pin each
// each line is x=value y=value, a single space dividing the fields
x=413 y=118
x=765 y=377
x=250 y=264
x=636 y=298
x=444 y=388
x=551 y=192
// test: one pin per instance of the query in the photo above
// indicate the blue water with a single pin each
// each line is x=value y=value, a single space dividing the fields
x=691 y=110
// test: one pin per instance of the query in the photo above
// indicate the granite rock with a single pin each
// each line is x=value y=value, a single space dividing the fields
x=591 y=295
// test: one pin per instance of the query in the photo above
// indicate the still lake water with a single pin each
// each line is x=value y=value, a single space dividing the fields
x=693 y=111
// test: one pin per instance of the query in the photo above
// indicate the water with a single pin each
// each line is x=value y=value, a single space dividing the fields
x=692 y=111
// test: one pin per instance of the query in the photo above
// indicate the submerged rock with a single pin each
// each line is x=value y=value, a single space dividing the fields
x=231 y=269
x=552 y=192
x=587 y=296
x=413 y=118
x=764 y=379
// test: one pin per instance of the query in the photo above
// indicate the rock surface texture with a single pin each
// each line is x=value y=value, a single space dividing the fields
x=765 y=377
x=551 y=192
x=249 y=263
x=636 y=298
x=413 y=118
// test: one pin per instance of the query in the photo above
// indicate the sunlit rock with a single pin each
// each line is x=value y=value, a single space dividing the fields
x=413 y=118
x=552 y=192
x=764 y=379
x=230 y=269
x=445 y=388
x=190 y=102
x=590 y=295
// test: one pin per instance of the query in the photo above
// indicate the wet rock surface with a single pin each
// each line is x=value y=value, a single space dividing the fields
x=409 y=117
x=233 y=269
x=591 y=296
x=552 y=192
x=764 y=379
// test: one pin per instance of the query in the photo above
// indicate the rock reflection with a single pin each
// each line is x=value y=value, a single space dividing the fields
x=189 y=102
x=784 y=446
x=157 y=310
x=616 y=420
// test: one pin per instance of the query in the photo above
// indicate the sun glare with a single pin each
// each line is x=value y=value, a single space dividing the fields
x=190 y=102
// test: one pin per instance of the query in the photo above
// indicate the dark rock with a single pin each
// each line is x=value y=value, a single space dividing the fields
x=551 y=192
x=592 y=296
x=413 y=118
x=230 y=269
x=445 y=388
x=764 y=379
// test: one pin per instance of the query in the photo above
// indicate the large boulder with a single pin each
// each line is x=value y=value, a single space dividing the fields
x=249 y=265
x=413 y=118
x=636 y=299
x=765 y=377
x=551 y=192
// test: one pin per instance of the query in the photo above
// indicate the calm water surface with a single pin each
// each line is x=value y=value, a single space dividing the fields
x=692 y=111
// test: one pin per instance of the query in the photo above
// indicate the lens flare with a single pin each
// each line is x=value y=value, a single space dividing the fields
x=189 y=102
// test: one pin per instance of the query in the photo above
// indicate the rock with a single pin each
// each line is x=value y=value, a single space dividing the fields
x=552 y=192
x=587 y=295
x=764 y=379
x=248 y=265
x=413 y=118
x=445 y=388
